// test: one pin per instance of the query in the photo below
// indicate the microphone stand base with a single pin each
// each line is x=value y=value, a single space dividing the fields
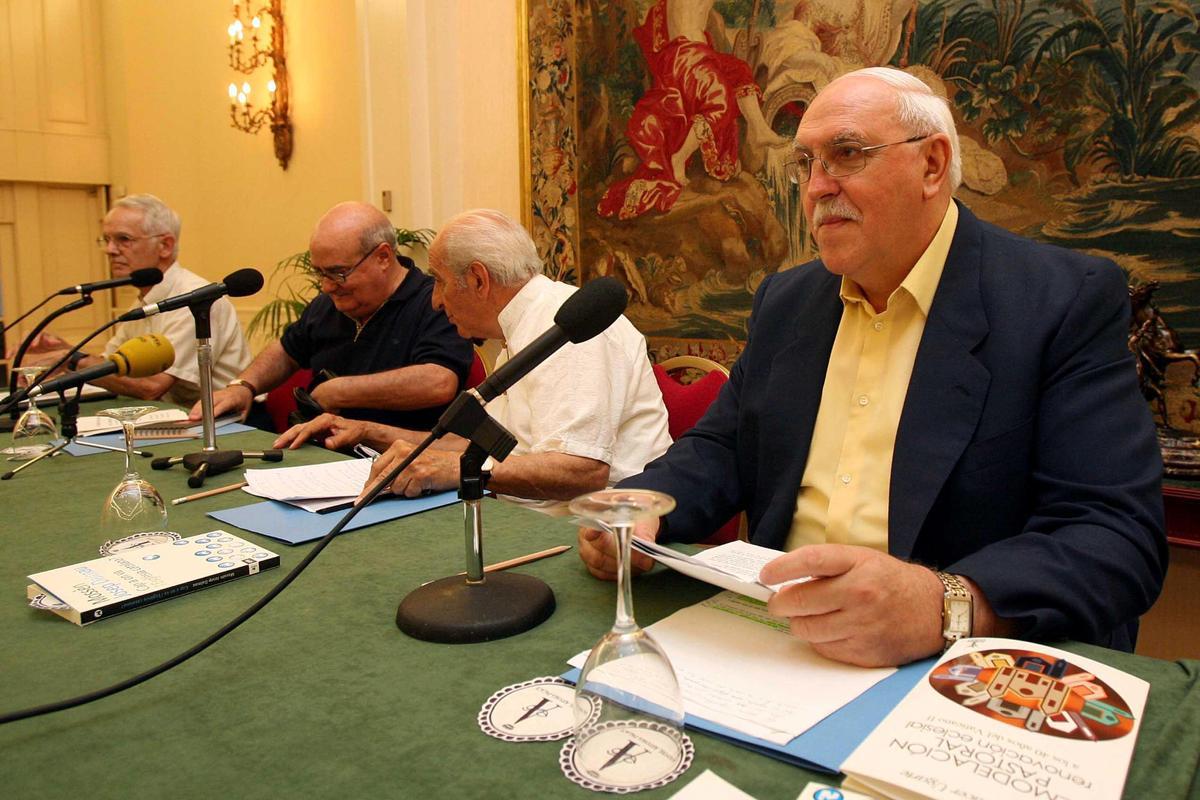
x=453 y=611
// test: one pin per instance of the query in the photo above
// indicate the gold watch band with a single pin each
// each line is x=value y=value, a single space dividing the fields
x=243 y=382
x=958 y=607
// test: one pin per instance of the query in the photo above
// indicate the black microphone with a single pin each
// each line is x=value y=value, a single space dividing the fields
x=237 y=284
x=144 y=355
x=584 y=315
x=140 y=278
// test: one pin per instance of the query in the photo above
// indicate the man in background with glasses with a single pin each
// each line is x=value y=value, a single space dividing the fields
x=141 y=232
x=939 y=421
x=378 y=349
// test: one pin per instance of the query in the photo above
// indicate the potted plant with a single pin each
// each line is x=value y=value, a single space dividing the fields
x=294 y=286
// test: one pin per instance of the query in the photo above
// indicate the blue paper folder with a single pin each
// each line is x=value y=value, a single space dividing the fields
x=827 y=744
x=295 y=525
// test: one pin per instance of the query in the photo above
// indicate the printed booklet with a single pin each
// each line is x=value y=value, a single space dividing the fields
x=999 y=718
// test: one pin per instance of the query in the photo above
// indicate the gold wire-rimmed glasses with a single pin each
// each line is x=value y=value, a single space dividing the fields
x=838 y=159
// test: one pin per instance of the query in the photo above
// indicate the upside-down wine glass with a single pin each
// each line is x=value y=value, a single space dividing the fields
x=134 y=505
x=35 y=430
x=627 y=676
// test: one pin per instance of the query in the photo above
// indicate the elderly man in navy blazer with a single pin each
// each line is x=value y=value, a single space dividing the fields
x=939 y=421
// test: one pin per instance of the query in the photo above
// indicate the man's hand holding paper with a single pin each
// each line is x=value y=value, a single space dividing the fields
x=868 y=608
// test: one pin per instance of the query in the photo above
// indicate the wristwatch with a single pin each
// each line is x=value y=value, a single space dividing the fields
x=243 y=382
x=74 y=359
x=957 y=609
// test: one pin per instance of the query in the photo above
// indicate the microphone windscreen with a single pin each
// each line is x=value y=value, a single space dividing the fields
x=243 y=282
x=149 y=276
x=144 y=355
x=592 y=309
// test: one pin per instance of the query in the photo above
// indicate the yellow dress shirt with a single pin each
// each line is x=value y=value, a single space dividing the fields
x=843 y=496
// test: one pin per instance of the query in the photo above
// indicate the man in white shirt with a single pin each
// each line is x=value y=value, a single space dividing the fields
x=587 y=417
x=142 y=232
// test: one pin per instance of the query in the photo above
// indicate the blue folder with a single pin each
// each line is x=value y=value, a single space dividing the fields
x=827 y=744
x=294 y=525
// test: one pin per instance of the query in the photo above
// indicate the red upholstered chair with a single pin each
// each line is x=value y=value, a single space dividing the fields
x=479 y=371
x=280 y=402
x=686 y=404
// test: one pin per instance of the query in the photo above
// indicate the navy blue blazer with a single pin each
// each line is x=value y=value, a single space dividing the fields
x=1025 y=459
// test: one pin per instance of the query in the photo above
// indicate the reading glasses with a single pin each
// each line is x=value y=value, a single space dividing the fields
x=839 y=159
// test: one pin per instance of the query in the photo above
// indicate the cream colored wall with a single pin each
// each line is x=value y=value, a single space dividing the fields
x=443 y=115
x=418 y=97
x=166 y=77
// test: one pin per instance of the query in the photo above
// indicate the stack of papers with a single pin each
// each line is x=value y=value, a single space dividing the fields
x=319 y=487
x=742 y=669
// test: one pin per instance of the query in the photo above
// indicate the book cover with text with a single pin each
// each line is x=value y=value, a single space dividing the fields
x=1000 y=718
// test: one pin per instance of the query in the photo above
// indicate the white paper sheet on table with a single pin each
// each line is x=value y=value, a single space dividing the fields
x=741 y=668
x=314 y=487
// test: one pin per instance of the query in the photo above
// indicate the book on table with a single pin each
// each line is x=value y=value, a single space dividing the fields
x=1000 y=718
x=137 y=577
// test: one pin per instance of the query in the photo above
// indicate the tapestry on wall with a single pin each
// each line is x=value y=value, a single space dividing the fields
x=658 y=131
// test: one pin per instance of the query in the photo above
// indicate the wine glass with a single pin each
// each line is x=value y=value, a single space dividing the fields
x=627 y=699
x=35 y=430
x=134 y=506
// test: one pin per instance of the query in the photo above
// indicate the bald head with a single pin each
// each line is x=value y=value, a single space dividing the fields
x=358 y=240
x=362 y=224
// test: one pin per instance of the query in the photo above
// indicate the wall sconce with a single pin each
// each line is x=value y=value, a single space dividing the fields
x=245 y=57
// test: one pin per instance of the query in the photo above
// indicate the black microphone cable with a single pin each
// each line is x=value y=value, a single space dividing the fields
x=129 y=683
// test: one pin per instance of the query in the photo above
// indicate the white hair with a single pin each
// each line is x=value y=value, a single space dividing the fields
x=157 y=216
x=491 y=238
x=920 y=110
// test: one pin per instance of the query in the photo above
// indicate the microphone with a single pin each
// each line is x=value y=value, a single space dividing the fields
x=140 y=278
x=585 y=314
x=237 y=284
x=144 y=355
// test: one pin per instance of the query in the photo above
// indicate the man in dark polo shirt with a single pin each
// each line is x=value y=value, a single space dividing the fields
x=377 y=348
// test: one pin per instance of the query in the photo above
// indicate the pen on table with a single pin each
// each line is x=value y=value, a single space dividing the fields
x=209 y=493
x=525 y=559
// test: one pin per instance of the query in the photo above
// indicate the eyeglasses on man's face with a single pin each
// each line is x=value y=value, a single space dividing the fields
x=122 y=241
x=340 y=275
x=838 y=159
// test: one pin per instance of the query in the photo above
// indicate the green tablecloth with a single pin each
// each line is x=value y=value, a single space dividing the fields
x=319 y=695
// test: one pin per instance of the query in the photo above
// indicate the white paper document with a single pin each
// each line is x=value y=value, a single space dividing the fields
x=314 y=487
x=734 y=566
x=741 y=668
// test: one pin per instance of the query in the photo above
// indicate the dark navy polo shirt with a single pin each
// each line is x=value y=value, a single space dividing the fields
x=406 y=330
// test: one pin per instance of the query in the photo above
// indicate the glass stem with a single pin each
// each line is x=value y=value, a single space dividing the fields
x=127 y=426
x=625 y=622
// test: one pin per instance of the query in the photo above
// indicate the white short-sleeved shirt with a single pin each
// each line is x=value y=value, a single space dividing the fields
x=230 y=352
x=596 y=399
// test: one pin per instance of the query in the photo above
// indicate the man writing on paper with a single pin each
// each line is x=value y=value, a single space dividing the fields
x=938 y=416
x=142 y=232
x=391 y=356
x=586 y=417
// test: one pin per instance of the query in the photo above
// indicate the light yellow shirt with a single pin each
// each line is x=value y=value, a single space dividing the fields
x=843 y=496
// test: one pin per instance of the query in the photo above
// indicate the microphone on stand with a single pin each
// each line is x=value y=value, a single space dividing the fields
x=479 y=608
x=141 y=278
x=210 y=460
x=237 y=284
x=139 y=357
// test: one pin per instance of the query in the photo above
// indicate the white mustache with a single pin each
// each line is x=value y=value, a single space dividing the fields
x=834 y=207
